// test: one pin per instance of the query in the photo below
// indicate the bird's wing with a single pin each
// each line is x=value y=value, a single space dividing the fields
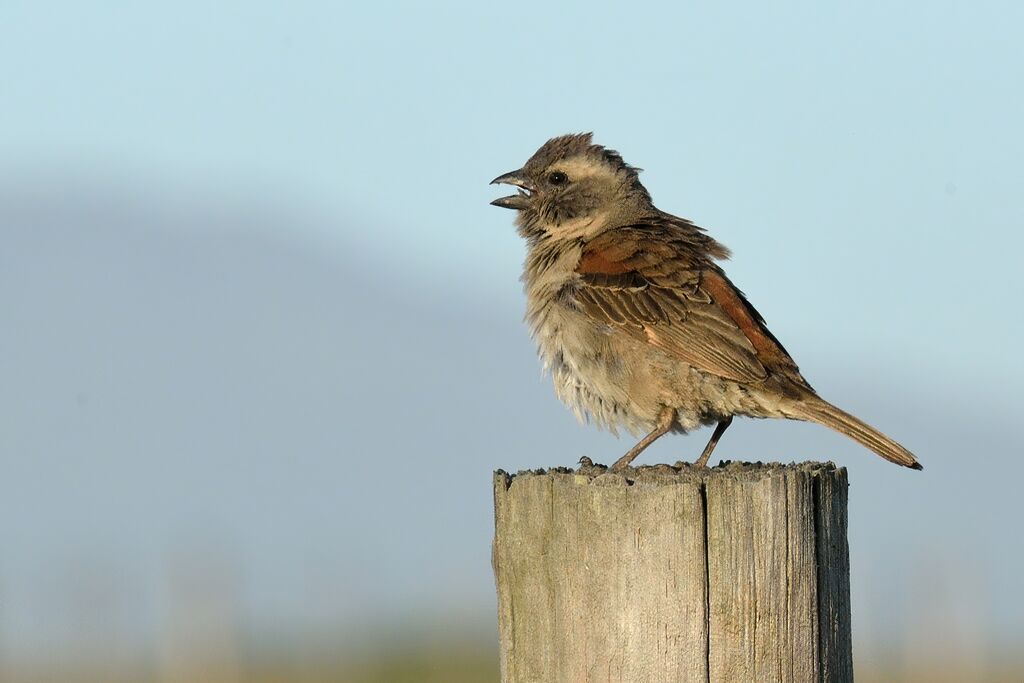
x=657 y=283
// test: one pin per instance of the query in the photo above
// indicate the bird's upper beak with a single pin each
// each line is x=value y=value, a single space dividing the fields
x=521 y=199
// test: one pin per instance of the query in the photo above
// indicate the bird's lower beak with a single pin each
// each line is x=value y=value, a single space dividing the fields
x=521 y=199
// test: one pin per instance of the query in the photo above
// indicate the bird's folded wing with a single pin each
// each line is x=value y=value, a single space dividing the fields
x=660 y=292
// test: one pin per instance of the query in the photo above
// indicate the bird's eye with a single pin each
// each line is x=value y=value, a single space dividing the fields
x=558 y=178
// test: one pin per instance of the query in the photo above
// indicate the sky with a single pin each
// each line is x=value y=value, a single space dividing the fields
x=256 y=312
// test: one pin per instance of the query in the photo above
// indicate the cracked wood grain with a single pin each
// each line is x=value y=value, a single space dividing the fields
x=737 y=573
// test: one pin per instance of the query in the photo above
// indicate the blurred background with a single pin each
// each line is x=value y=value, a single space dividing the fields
x=260 y=338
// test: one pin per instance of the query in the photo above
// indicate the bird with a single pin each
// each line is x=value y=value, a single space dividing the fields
x=635 y=320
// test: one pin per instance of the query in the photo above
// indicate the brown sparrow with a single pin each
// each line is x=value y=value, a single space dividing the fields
x=638 y=325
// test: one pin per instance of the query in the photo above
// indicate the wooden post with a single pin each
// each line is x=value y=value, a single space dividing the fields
x=672 y=573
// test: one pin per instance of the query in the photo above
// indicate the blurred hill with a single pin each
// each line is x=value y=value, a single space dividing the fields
x=202 y=400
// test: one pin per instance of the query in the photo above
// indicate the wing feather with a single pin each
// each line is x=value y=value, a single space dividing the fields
x=655 y=282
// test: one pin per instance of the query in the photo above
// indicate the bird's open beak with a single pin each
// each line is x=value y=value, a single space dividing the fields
x=521 y=199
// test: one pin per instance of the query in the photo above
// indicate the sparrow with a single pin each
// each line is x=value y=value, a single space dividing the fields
x=638 y=325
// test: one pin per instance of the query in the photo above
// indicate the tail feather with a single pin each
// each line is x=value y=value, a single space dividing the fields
x=824 y=413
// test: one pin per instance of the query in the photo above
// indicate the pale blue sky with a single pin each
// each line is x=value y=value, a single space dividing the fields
x=272 y=175
x=889 y=136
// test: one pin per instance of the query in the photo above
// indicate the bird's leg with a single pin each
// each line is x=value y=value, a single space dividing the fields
x=702 y=461
x=665 y=419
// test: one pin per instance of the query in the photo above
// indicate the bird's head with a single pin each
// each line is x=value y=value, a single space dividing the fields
x=571 y=187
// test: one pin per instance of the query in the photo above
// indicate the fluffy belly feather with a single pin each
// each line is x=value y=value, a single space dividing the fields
x=617 y=381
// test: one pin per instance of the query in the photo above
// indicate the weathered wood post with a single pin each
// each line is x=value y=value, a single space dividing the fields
x=672 y=573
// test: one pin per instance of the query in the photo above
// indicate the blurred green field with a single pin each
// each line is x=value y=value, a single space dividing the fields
x=465 y=662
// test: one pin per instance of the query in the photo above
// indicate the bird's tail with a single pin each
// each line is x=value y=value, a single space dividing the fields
x=814 y=409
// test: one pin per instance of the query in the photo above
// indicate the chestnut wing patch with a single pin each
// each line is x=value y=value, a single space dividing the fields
x=747 y=319
x=651 y=290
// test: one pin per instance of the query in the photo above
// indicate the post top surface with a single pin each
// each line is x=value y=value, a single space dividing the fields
x=679 y=473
